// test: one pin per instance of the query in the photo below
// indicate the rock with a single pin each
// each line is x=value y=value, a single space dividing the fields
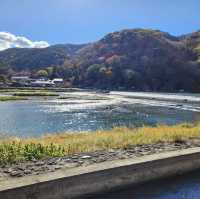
x=52 y=169
x=67 y=160
x=86 y=157
x=40 y=163
x=8 y=170
x=17 y=173
x=74 y=157
x=57 y=167
x=21 y=168
x=27 y=171
x=52 y=162
x=61 y=163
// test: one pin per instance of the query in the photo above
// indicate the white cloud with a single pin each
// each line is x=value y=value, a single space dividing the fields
x=8 y=40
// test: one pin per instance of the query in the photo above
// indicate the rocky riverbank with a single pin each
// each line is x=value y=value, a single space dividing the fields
x=84 y=159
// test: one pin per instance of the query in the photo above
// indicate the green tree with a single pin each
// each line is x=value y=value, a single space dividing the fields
x=3 y=68
x=49 y=70
x=42 y=73
x=93 y=72
x=3 y=78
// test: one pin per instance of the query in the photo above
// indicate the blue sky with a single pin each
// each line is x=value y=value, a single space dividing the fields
x=80 y=21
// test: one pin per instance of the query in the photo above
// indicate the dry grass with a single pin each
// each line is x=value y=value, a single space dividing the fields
x=16 y=149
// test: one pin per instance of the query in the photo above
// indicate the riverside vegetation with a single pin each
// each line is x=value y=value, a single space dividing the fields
x=21 y=94
x=37 y=94
x=13 y=150
x=11 y=98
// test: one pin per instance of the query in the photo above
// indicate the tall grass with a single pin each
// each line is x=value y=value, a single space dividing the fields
x=15 y=149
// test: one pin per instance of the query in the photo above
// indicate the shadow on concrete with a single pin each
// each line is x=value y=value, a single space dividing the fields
x=180 y=187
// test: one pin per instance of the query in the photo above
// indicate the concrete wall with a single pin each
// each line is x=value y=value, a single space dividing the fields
x=103 y=177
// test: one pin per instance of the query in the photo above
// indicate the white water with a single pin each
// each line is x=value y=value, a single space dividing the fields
x=88 y=100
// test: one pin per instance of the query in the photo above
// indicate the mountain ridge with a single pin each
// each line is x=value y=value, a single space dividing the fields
x=140 y=59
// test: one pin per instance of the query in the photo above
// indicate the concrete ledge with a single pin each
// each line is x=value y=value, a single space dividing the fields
x=99 y=178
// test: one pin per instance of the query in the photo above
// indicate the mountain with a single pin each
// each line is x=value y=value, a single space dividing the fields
x=193 y=42
x=139 y=59
x=34 y=58
x=142 y=59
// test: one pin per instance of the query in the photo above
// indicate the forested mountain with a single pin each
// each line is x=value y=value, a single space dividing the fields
x=137 y=59
x=34 y=58
x=193 y=43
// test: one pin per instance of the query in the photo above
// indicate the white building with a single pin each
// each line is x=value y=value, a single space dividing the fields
x=58 y=81
x=42 y=83
x=22 y=80
x=27 y=81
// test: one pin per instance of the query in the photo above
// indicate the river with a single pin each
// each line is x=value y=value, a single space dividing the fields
x=89 y=111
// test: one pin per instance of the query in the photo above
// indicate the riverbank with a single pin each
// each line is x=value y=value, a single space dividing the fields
x=11 y=98
x=33 y=89
x=19 y=157
x=48 y=165
x=35 y=94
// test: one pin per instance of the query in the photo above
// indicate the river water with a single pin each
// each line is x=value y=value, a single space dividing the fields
x=88 y=111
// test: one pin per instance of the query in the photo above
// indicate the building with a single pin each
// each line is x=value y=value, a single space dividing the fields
x=21 y=80
x=42 y=83
x=58 y=82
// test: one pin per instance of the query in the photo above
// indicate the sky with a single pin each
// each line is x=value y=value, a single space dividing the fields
x=39 y=23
